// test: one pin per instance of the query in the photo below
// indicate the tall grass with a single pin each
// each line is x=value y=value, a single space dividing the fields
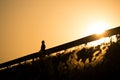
x=87 y=61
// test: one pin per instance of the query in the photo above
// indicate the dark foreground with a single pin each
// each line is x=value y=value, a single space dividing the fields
x=101 y=62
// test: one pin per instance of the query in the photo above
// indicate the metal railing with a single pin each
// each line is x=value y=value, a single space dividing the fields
x=84 y=40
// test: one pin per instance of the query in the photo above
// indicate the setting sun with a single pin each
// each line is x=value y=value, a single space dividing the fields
x=25 y=23
x=98 y=28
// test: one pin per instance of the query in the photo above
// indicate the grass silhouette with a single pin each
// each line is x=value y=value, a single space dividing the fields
x=81 y=62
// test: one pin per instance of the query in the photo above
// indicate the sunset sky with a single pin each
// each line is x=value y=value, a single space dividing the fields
x=25 y=23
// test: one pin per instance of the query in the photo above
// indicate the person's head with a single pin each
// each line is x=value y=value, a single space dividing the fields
x=43 y=41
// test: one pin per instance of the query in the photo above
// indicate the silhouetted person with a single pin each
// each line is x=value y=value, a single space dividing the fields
x=43 y=46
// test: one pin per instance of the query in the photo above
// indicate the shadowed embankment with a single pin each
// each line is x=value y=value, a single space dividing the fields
x=81 y=62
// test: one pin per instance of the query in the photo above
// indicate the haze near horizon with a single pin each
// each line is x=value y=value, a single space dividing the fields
x=25 y=23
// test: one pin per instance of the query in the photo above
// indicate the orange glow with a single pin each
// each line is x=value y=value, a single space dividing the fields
x=100 y=41
x=25 y=23
x=98 y=27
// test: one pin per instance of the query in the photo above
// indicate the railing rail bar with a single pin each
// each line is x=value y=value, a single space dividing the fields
x=83 y=40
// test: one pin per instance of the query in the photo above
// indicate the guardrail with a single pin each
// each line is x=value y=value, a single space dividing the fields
x=84 y=40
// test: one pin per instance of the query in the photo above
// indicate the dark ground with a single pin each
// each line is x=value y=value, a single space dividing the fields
x=101 y=62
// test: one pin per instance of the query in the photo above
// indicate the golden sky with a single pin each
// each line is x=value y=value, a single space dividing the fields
x=25 y=23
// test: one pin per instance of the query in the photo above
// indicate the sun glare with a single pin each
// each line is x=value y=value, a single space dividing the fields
x=98 y=28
